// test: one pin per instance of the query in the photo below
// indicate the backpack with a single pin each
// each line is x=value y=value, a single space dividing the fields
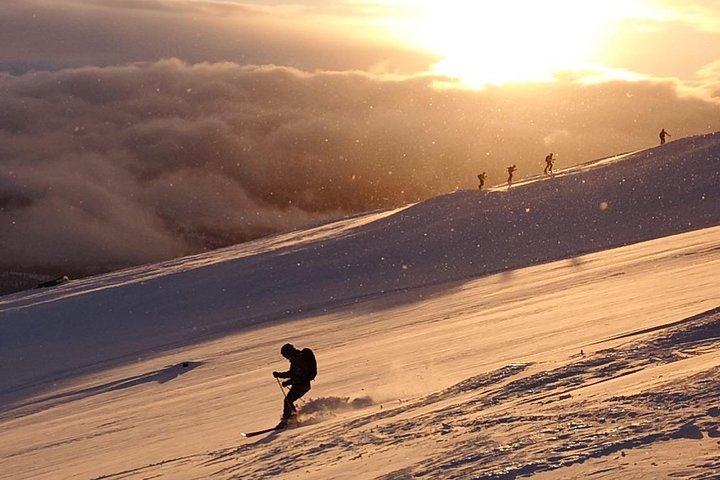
x=310 y=363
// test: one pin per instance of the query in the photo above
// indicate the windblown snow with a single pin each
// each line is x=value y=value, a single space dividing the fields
x=566 y=327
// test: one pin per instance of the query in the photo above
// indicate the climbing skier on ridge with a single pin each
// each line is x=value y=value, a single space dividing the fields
x=662 y=136
x=481 y=180
x=303 y=369
x=549 y=160
x=511 y=169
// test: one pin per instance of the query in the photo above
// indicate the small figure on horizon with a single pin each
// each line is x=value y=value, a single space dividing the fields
x=481 y=179
x=511 y=169
x=549 y=160
x=303 y=369
x=662 y=136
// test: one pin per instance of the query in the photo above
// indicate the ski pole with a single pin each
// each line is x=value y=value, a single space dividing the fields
x=281 y=387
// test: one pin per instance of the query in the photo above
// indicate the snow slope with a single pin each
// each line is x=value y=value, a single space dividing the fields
x=448 y=333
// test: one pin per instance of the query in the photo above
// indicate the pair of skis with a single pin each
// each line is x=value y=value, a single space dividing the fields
x=293 y=424
x=260 y=432
x=268 y=430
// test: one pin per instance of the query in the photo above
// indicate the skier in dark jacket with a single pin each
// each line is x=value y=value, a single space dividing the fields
x=303 y=369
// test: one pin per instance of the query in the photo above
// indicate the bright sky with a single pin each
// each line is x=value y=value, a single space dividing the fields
x=504 y=41
x=476 y=41
x=481 y=42
x=517 y=40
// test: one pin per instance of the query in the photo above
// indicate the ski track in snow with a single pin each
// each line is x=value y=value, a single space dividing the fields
x=464 y=420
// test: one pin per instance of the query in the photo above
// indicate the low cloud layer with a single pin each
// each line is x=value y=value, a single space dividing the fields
x=108 y=167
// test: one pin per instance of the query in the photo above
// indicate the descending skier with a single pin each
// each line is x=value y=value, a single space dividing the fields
x=549 y=160
x=662 y=136
x=481 y=179
x=303 y=369
x=511 y=169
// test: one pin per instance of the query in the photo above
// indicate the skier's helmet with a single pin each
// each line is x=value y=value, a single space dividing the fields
x=286 y=350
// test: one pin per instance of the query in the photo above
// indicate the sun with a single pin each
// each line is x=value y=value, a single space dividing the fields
x=498 y=42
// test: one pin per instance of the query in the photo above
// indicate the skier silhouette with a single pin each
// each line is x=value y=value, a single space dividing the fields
x=303 y=369
x=549 y=160
x=511 y=169
x=481 y=179
x=662 y=136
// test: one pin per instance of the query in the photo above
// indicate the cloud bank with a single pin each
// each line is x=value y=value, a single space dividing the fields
x=107 y=167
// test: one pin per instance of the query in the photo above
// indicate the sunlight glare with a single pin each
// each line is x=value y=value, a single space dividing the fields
x=488 y=42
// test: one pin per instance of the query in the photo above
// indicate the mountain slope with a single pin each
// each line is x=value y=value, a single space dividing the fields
x=455 y=237
x=399 y=305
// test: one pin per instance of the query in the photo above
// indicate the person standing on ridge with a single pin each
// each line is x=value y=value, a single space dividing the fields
x=662 y=136
x=481 y=179
x=303 y=369
x=511 y=169
x=549 y=160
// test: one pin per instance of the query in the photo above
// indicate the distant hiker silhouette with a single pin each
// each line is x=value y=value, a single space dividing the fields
x=662 y=136
x=549 y=160
x=303 y=369
x=481 y=179
x=511 y=169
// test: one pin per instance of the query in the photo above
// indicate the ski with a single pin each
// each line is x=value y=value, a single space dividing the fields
x=259 y=432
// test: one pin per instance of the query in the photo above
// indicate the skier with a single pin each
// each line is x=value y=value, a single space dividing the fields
x=481 y=179
x=511 y=169
x=662 y=135
x=303 y=369
x=549 y=160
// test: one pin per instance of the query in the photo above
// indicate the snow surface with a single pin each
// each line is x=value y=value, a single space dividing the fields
x=566 y=327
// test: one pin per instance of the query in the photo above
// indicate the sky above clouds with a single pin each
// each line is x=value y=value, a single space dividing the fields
x=137 y=130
